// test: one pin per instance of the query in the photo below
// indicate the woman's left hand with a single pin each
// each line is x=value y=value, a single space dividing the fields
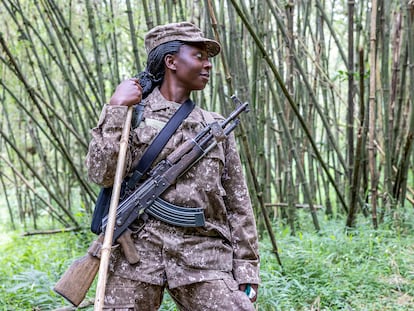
x=254 y=288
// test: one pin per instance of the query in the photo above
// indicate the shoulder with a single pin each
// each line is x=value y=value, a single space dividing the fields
x=210 y=116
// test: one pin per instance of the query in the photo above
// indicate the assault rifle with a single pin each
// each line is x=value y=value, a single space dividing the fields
x=76 y=281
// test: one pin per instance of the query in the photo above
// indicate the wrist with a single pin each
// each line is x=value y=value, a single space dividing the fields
x=115 y=101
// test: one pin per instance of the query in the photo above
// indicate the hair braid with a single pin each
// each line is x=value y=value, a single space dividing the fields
x=153 y=75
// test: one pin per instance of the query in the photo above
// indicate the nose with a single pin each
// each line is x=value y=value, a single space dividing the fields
x=207 y=64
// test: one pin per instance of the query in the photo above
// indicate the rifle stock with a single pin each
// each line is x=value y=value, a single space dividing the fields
x=76 y=281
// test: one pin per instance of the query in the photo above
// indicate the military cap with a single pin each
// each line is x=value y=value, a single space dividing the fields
x=183 y=31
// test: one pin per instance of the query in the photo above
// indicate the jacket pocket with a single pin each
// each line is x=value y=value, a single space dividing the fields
x=206 y=253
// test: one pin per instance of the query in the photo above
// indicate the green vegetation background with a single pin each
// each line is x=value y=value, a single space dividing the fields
x=332 y=270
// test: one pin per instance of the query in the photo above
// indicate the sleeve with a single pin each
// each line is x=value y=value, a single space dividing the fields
x=246 y=263
x=103 y=150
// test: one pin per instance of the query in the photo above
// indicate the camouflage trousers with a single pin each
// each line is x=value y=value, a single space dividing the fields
x=127 y=295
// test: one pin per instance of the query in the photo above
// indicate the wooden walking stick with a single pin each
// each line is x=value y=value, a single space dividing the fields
x=109 y=230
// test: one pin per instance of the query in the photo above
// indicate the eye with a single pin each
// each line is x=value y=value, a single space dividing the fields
x=199 y=55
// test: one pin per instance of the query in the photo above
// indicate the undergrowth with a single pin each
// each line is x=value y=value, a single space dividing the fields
x=362 y=270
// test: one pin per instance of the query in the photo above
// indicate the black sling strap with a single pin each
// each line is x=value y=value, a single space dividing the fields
x=159 y=142
x=144 y=164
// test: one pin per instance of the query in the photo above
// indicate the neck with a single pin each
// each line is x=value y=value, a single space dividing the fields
x=174 y=92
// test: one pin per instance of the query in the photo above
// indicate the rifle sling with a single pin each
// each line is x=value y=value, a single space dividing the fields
x=159 y=143
x=147 y=159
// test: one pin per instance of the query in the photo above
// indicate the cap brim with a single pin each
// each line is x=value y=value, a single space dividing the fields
x=212 y=47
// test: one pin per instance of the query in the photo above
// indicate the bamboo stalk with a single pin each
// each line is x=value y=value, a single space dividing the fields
x=400 y=189
x=397 y=82
x=96 y=49
x=6 y=197
x=332 y=31
x=287 y=120
x=372 y=118
x=114 y=47
x=350 y=106
x=388 y=117
x=361 y=138
x=133 y=36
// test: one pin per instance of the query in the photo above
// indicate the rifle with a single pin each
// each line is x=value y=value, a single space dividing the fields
x=76 y=281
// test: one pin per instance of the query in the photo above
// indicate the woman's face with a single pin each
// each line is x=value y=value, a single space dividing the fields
x=192 y=67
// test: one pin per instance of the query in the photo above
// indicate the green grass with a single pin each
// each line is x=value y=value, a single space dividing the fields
x=332 y=270
x=361 y=270
x=29 y=267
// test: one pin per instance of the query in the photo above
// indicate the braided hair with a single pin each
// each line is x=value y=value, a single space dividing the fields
x=153 y=75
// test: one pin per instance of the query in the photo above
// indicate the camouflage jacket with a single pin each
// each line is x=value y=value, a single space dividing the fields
x=226 y=245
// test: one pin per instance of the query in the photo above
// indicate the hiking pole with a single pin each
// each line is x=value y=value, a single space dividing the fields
x=109 y=230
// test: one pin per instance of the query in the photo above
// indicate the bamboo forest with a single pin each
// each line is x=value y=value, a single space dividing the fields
x=327 y=143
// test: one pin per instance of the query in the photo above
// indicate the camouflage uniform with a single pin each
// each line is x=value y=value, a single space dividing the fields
x=218 y=256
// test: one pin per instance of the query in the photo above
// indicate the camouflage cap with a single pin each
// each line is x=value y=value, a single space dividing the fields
x=183 y=31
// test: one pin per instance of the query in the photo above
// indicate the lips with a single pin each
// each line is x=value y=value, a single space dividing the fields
x=205 y=75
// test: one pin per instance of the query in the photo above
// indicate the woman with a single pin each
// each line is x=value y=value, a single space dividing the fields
x=203 y=268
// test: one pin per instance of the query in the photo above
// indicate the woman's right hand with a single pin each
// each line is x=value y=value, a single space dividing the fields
x=127 y=93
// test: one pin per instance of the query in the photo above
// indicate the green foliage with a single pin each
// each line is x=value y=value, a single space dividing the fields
x=31 y=265
x=335 y=270
x=362 y=270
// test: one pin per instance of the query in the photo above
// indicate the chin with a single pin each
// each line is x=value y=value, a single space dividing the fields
x=199 y=88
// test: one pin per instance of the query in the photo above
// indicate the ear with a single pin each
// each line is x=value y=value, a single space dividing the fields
x=169 y=61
